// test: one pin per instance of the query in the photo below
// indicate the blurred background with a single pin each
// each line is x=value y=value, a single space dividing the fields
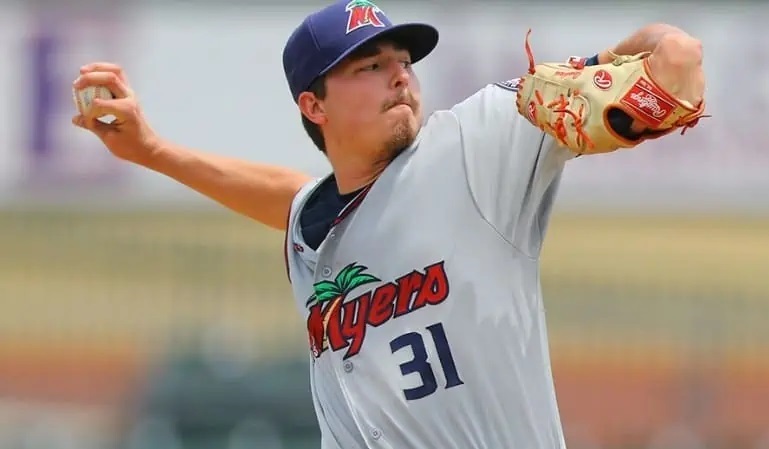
x=135 y=314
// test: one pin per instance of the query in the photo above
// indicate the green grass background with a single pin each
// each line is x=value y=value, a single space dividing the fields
x=692 y=283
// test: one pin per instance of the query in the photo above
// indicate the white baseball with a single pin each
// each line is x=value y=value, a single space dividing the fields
x=84 y=97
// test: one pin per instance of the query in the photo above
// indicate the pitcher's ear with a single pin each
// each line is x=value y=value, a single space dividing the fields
x=312 y=108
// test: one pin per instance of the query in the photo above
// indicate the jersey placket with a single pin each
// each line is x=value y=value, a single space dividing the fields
x=327 y=267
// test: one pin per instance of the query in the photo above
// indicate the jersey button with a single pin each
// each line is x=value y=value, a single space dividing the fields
x=326 y=272
x=348 y=367
x=376 y=433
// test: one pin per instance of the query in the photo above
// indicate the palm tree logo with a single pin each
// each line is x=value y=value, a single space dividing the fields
x=328 y=296
x=362 y=13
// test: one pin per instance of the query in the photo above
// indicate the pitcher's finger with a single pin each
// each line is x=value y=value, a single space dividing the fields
x=106 y=79
x=122 y=109
x=104 y=67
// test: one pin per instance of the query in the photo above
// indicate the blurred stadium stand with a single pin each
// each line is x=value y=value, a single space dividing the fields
x=136 y=314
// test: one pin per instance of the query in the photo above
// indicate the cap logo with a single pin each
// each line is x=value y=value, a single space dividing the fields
x=362 y=13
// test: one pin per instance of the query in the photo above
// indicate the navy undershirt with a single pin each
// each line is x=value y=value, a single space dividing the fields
x=324 y=205
x=321 y=210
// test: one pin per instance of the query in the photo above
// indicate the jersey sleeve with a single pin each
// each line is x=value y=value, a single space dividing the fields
x=513 y=168
x=293 y=222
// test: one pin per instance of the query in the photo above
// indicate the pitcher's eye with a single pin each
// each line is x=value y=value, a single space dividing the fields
x=370 y=67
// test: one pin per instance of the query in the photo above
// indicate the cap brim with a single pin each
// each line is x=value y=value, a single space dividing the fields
x=418 y=38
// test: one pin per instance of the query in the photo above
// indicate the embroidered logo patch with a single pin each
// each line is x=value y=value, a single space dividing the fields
x=362 y=13
x=509 y=84
x=649 y=102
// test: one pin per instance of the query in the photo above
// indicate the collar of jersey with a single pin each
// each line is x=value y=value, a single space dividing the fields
x=310 y=254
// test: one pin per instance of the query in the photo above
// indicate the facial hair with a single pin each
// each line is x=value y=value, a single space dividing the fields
x=403 y=133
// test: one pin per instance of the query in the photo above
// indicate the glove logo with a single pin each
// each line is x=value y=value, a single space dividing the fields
x=602 y=80
x=533 y=112
x=568 y=74
x=577 y=62
x=648 y=101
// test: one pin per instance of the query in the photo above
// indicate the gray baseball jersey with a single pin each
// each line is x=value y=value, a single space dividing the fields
x=423 y=304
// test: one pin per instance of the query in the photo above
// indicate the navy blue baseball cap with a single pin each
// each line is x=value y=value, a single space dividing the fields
x=327 y=36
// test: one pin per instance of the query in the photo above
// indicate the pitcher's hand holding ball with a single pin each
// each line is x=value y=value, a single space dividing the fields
x=128 y=136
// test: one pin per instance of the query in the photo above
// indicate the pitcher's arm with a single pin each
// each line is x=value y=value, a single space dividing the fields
x=263 y=192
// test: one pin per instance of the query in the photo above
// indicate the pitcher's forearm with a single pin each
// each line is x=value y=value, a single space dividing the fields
x=262 y=192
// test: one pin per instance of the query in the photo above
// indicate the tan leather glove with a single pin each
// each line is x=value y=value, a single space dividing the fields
x=572 y=102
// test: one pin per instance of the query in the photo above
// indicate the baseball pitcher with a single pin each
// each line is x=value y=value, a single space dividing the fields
x=415 y=263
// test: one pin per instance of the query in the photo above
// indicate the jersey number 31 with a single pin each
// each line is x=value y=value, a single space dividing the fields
x=419 y=364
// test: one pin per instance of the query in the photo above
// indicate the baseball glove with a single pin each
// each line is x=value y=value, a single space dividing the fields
x=585 y=108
